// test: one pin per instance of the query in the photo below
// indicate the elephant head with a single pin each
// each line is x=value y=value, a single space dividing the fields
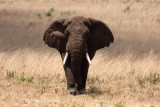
x=77 y=39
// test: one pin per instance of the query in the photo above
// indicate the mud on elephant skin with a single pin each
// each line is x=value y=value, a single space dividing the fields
x=77 y=39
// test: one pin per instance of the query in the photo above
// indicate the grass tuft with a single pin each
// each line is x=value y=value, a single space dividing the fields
x=154 y=78
x=49 y=13
x=67 y=13
x=10 y=74
x=22 y=78
x=27 y=79
x=39 y=15
x=158 y=19
x=127 y=8
x=30 y=79
x=119 y=104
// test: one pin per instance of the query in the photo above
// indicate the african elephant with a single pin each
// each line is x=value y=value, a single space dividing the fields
x=77 y=39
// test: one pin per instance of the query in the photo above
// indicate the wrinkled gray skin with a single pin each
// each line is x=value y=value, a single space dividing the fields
x=77 y=36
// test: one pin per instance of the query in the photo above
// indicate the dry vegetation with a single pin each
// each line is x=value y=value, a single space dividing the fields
x=125 y=74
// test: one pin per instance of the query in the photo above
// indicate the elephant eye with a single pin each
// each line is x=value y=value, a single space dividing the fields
x=67 y=32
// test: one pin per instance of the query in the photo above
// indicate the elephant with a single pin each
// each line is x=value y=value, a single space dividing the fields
x=77 y=39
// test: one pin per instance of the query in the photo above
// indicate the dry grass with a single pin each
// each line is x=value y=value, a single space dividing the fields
x=125 y=74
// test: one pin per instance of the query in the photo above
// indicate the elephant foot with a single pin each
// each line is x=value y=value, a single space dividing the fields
x=73 y=91
x=82 y=91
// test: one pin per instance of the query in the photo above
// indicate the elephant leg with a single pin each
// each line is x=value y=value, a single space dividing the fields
x=77 y=73
x=71 y=85
x=84 y=71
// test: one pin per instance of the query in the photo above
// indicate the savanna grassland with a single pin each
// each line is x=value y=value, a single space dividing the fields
x=123 y=75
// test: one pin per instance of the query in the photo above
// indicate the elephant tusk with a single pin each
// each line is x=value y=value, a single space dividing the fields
x=65 y=58
x=88 y=59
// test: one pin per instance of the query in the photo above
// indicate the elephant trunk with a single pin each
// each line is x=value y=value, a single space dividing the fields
x=76 y=59
x=76 y=48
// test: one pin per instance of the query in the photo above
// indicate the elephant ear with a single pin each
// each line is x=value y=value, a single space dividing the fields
x=54 y=35
x=100 y=35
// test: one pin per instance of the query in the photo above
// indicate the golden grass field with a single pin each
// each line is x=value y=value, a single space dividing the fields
x=123 y=75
